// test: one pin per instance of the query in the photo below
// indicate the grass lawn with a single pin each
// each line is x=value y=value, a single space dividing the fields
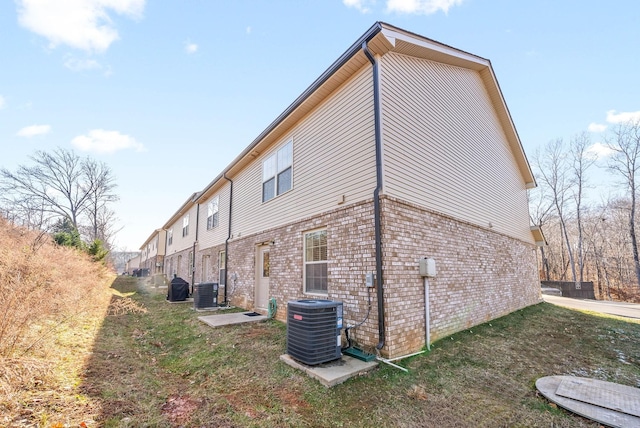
x=154 y=364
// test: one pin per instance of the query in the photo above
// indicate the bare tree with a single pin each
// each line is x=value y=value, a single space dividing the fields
x=60 y=184
x=552 y=166
x=539 y=209
x=625 y=163
x=580 y=163
x=102 y=183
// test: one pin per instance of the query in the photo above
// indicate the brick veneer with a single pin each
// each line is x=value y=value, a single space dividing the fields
x=171 y=265
x=482 y=275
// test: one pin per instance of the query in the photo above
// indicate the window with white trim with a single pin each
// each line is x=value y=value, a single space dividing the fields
x=185 y=225
x=212 y=213
x=222 y=267
x=277 y=172
x=315 y=262
x=169 y=236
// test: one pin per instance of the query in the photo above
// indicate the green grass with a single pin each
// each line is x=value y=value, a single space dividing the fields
x=231 y=376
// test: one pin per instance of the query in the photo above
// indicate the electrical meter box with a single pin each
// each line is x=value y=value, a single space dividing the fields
x=427 y=267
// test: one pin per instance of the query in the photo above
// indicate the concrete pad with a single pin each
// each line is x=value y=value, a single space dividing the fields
x=229 y=319
x=609 y=403
x=334 y=372
x=187 y=300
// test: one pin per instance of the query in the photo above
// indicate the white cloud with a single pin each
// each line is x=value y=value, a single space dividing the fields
x=421 y=7
x=361 y=5
x=75 y=64
x=33 y=130
x=190 y=47
x=599 y=150
x=3 y=103
x=596 y=127
x=101 y=141
x=622 y=117
x=81 y=24
x=248 y=30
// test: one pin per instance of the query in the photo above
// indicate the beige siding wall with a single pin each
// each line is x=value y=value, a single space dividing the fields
x=333 y=155
x=444 y=148
x=212 y=237
x=179 y=242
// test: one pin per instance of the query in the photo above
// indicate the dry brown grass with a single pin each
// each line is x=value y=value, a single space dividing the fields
x=52 y=302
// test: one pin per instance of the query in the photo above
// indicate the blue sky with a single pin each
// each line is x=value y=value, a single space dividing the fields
x=168 y=93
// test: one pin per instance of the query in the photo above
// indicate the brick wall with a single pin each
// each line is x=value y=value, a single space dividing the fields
x=481 y=275
x=350 y=253
x=182 y=268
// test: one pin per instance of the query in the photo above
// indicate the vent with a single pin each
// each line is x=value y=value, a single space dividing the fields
x=313 y=330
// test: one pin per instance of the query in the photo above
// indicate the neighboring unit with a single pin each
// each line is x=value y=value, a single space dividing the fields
x=182 y=235
x=132 y=264
x=403 y=149
x=152 y=252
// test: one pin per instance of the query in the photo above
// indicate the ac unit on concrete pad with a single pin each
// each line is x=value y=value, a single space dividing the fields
x=313 y=330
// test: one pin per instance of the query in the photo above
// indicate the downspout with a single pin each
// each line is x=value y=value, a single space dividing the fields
x=226 y=243
x=376 y=193
x=193 y=258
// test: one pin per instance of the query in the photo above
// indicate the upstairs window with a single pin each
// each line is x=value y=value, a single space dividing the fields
x=212 y=213
x=185 y=225
x=277 y=172
x=170 y=237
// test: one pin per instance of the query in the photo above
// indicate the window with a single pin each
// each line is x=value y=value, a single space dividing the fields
x=277 y=172
x=170 y=237
x=315 y=262
x=185 y=225
x=212 y=213
x=222 y=267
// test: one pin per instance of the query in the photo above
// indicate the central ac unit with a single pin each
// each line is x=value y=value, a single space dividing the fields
x=313 y=330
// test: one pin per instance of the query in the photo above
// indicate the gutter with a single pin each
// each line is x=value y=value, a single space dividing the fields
x=226 y=242
x=193 y=257
x=376 y=192
x=341 y=61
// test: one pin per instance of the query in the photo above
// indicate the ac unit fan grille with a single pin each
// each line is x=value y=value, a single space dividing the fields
x=313 y=330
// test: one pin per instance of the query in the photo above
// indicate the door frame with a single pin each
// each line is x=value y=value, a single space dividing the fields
x=260 y=279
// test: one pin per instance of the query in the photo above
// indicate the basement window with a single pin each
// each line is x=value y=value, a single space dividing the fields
x=277 y=172
x=315 y=262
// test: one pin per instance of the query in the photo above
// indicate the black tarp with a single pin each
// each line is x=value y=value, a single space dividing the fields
x=178 y=290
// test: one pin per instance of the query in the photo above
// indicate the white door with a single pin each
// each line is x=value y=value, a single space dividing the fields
x=262 y=283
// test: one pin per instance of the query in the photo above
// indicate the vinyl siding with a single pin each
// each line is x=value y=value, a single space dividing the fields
x=333 y=155
x=179 y=242
x=208 y=238
x=444 y=148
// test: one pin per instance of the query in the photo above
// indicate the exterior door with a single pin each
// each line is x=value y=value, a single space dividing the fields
x=262 y=283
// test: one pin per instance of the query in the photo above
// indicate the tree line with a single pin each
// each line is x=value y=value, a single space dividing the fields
x=590 y=239
x=65 y=195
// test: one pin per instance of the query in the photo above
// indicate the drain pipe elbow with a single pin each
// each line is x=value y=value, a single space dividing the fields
x=376 y=193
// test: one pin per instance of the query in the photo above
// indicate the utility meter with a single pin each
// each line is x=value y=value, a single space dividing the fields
x=427 y=267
